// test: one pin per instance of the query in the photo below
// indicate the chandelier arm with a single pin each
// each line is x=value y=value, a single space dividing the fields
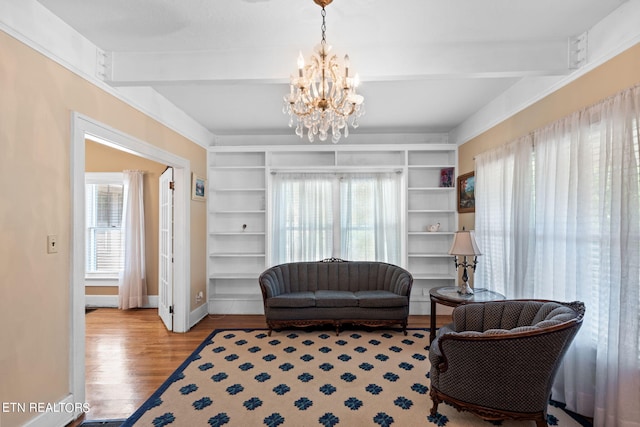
x=301 y=113
x=346 y=114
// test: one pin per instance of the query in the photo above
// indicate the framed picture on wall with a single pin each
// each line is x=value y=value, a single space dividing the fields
x=198 y=188
x=467 y=193
x=446 y=177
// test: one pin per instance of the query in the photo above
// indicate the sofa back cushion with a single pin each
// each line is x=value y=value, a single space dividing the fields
x=350 y=276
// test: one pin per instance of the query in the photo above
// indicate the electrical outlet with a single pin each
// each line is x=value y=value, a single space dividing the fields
x=199 y=296
x=52 y=244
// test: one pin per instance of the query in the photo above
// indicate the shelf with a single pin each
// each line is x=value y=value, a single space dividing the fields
x=430 y=255
x=445 y=189
x=431 y=233
x=448 y=211
x=236 y=255
x=338 y=169
x=237 y=233
x=239 y=212
x=433 y=277
x=245 y=190
x=430 y=166
x=235 y=276
x=255 y=296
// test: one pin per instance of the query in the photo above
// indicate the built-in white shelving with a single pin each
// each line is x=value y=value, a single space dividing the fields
x=428 y=204
x=238 y=213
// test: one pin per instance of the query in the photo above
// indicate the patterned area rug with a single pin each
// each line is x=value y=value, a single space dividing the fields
x=300 y=378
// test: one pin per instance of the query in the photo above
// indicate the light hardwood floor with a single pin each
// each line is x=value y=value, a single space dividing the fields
x=129 y=354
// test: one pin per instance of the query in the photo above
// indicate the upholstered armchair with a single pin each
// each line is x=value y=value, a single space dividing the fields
x=498 y=359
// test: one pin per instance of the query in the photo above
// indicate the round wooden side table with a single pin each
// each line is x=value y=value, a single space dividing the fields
x=449 y=296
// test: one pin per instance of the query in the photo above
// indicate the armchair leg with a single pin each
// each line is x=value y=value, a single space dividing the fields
x=542 y=422
x=436 y=401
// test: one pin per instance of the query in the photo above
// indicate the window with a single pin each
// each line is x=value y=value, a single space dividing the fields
x=572 y=233
x=104 y=236
x=355 y=216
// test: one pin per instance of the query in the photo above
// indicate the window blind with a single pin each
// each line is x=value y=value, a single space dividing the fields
x=104 y=236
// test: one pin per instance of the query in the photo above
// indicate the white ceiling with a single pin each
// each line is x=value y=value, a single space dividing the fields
x=425 y=65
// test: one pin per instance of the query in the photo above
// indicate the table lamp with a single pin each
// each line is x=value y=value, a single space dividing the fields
x=464 y=244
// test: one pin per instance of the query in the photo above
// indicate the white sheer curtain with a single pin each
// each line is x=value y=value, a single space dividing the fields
x=370 y=223
x=585 y=241
x=504 y=218
x=302 y=217
x=354 y=216
x=133 y=282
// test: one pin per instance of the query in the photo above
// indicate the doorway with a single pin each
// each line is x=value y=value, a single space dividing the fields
x=84 y=128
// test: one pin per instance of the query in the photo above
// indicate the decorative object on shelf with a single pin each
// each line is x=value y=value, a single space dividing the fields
x=244 y=227
x=464 y=244
x=198 y=188
x=466 y=193
x=321 y=98
x=433 y=227
x=446 y=177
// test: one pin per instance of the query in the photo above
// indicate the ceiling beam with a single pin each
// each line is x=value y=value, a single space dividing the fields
x=380 y=63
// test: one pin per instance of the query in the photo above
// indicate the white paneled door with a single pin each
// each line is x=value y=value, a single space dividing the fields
x=165 y=275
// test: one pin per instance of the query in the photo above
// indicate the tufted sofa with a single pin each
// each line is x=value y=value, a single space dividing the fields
x=335 y=292
x=499 y=359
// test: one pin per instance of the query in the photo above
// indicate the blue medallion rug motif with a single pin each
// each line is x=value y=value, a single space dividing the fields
x=301 y=378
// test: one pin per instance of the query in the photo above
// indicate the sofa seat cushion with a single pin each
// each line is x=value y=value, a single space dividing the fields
x=326 y=298
x=293 y=300
x=380 y=299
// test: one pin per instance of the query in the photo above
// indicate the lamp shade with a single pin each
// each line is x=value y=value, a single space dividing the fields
x=464 y=244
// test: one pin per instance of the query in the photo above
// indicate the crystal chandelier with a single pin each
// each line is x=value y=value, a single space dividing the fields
x=323 y=94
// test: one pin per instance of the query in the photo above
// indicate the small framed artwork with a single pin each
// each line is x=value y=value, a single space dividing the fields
x=467 y=193
x=198 y=188
x=446 y=177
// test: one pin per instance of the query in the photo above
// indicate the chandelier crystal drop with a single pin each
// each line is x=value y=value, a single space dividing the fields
x=323 y=95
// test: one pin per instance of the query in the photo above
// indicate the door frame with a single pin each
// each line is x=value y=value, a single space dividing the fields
x=82 y=128
x=165 y=246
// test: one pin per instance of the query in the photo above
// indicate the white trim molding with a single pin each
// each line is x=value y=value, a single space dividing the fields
x=610 y=37
x=36 y=26
x=198 y=314
x=111 y=301
x=82 y=128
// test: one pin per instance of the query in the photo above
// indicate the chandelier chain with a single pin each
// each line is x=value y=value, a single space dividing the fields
x=324 y=26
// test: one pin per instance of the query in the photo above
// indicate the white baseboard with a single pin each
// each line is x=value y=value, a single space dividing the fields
x=111 y=301
x=236 y=306
x=197 y=315
x=57 y=414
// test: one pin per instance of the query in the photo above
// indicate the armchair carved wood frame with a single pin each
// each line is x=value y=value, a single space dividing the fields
x=498 y=360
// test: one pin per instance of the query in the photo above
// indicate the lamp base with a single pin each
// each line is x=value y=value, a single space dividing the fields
x=465 y=289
